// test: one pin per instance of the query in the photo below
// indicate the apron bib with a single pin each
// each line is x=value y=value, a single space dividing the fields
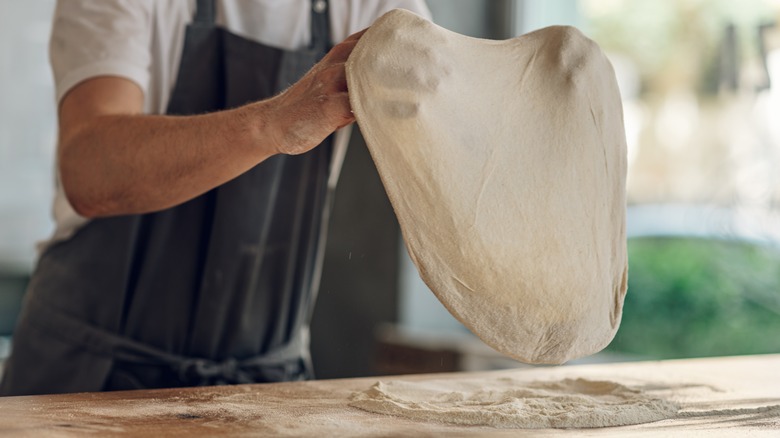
x=219 y=289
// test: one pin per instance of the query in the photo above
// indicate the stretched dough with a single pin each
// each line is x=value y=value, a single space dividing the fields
x=505 y=162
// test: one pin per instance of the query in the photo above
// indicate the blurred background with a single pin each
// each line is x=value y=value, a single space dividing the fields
x=700 y=81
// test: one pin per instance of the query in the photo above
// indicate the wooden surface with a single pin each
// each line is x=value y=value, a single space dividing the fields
x=734 y=396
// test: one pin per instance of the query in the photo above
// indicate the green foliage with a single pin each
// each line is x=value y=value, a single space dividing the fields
x=695 y=297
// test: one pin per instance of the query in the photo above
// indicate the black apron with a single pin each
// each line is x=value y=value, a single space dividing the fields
x=217 y=290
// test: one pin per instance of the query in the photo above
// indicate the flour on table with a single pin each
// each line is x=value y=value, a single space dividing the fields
x=505 y=162
x=509 y=403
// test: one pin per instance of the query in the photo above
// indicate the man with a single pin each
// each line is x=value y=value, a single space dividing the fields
x=188 y=245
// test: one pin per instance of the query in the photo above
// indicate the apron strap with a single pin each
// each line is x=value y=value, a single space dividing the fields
x=205 y=14
x=237 y=371
x=191 y=371
x=320 y=26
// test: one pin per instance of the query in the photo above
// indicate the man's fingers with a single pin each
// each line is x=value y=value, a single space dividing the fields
x=318 y=101
x=335 y=77
x=356 y=36
x=340 y=52
x=341 y=100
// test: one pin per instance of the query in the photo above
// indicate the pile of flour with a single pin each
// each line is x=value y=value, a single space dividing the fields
x=508 y=403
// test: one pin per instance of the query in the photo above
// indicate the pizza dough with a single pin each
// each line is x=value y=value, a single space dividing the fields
x=508 y=403
x=505 y=162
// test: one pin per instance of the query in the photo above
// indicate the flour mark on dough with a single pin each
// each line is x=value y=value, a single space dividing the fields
x=398 y=109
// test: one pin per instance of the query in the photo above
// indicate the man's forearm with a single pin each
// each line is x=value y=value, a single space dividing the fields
x=114 y=160
x=126 y=164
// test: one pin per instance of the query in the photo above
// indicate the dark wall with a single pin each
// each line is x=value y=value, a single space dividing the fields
x=360 y=278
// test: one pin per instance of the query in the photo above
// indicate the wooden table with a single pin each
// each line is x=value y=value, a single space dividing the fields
x=730 y=396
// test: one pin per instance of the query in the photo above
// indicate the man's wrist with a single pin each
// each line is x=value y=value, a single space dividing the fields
x=262 y=129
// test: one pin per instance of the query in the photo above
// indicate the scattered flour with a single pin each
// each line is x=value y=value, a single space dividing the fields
x=509 y=403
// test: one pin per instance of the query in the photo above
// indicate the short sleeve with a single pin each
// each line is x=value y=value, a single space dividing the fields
x=100 y=38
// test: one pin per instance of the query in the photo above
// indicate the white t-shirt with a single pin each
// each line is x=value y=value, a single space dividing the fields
x=142 y=40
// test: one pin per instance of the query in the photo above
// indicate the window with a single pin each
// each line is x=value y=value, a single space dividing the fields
x=701 y=93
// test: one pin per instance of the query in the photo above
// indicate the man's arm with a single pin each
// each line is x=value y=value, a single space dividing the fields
x=114 y=160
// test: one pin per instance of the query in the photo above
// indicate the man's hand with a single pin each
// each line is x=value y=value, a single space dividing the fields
x=316 y=105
